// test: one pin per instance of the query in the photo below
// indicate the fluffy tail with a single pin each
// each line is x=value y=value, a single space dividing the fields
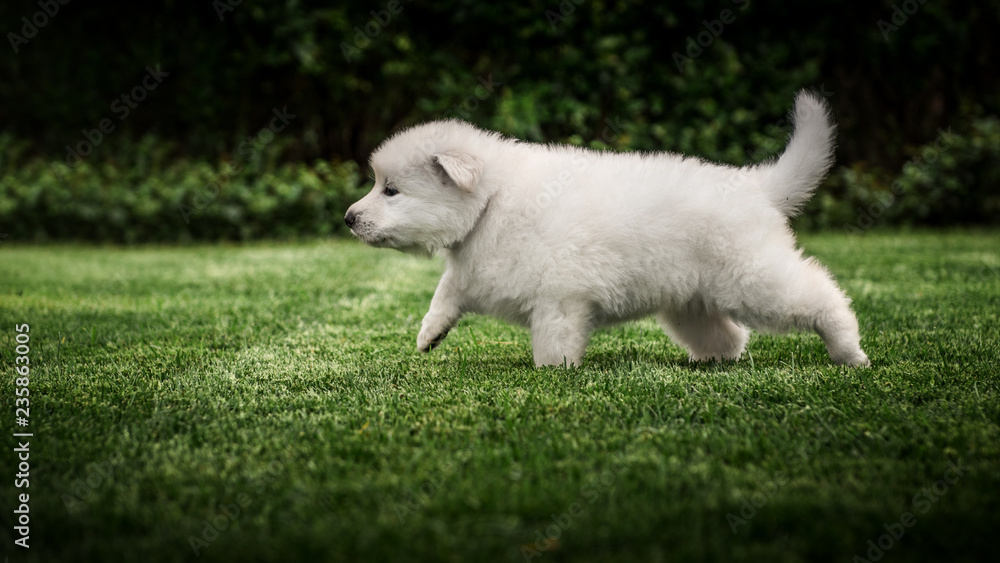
x=791 y=180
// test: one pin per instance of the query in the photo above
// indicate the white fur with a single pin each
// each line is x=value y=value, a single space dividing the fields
x=566 y=240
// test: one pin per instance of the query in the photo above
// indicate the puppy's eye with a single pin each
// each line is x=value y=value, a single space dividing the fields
x=390 y=191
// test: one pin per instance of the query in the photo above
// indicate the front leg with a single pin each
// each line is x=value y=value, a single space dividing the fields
x=560 y=334
x=446 y=309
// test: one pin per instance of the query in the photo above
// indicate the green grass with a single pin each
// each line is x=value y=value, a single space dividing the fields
x=284 y=378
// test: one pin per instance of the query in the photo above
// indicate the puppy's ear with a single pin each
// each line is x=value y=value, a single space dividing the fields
x=461 y=168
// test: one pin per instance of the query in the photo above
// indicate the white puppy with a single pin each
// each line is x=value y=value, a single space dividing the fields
x=566 y=240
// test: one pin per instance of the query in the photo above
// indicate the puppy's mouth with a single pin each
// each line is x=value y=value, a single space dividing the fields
x=387 y=241
x=373 y=239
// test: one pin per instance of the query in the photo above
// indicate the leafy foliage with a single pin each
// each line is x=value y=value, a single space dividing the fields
x=710 y=78
x=951 y=180
x=161 y=198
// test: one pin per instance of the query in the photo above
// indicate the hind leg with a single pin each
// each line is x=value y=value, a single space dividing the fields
x=802 y=295
x=707 y=334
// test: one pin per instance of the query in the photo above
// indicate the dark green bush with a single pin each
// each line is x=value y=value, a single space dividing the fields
x=626 y=75
x=145 y=192
x=954 y=179
x=147 y=195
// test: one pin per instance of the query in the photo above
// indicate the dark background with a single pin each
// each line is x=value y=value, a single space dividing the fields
x=601 y=74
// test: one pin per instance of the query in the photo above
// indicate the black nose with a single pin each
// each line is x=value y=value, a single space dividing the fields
x=350 y=218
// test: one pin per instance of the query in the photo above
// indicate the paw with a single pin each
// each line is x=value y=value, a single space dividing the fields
x=427 y=340
x=718 y=357
x=856 y=359
x=861 y=362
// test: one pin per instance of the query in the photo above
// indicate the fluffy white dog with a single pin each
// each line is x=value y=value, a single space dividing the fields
x=566 y=240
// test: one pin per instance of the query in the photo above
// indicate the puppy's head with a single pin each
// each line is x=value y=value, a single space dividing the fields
x=427 y=193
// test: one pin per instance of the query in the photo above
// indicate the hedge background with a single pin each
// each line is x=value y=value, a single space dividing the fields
x=186 y=92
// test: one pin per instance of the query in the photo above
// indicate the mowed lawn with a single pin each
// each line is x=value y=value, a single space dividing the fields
x=266 y=403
